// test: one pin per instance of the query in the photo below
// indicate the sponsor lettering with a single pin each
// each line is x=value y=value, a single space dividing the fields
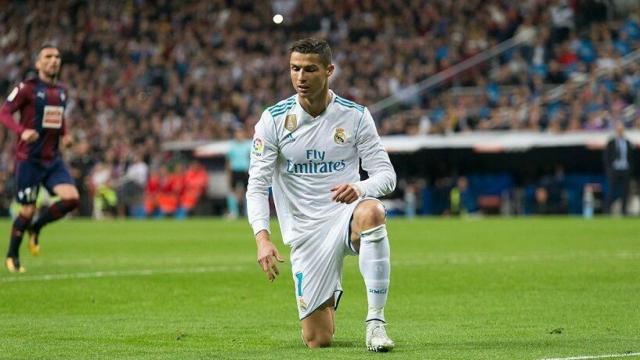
x=315 y=164
x=52 y=117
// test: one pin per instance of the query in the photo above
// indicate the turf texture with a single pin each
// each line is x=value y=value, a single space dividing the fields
x=525 y=288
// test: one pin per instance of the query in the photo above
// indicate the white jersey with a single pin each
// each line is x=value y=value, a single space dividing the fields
x=302 y=158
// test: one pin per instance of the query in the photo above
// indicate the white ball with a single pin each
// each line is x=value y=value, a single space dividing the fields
x=277 y=18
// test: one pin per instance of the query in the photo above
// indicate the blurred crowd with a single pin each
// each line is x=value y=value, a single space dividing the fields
x=568 y=73
x=141 y=73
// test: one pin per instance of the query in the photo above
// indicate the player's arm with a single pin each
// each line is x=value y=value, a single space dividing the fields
x=267 y=255
x=15 y=101
x=67 y=141
x=375 y=160
x=67 y=137
x=264 y=154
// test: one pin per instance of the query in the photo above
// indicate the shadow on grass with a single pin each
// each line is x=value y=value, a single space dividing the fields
x=337 y=344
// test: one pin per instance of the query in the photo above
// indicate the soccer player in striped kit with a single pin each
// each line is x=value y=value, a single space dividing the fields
x=40 y=132
x=308 y=148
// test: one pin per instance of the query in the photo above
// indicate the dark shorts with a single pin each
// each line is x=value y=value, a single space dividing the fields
x=30 y=174
x=239 y=178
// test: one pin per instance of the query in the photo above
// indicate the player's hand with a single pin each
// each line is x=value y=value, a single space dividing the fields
x=345 y=193
x=67 y=141
x=29 y=135
x=267 y=252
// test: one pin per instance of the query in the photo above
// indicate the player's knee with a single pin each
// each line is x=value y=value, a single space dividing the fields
x=318 y=339
x=369 y=214
x=28 y=211
x=67 y=192
x=72 y=196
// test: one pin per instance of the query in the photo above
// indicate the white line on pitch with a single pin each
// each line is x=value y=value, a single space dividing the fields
x=586 y=357
x=117 y=273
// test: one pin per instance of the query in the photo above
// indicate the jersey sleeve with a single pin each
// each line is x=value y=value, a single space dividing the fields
x=65 y=117
x=264 y=154
x=18 y=98
x=375 y=160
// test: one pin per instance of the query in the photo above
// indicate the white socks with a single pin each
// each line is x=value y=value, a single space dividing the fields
x=375 y=269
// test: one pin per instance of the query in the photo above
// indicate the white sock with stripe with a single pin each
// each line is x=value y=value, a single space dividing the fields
x=375 y=269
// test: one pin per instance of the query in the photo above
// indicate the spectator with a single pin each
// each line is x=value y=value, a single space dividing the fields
x=195 y=71
x=618 y=160
x=461 y=198
x=80 y=166
x=170 y=190
x=195 y=186
x=105 y=198
x=550 y=195
x=238 y=172
x=151 y=192
x=131 y=187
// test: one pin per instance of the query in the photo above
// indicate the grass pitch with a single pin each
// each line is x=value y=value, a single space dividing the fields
x=528 y=288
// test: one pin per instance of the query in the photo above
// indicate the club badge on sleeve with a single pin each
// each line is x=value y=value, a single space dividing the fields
x=13 y=94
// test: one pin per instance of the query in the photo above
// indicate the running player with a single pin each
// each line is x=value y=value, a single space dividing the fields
x=42 y=129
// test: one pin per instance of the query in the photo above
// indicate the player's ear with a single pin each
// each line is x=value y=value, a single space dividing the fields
x=330 y=69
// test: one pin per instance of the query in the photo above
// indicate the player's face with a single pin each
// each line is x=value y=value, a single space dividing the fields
x=308 y=75
x=48 y=62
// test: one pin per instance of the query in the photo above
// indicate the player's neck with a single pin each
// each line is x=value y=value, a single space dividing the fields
x=51 y=80
x=316 y=106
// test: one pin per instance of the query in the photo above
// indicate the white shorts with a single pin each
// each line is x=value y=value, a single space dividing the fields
x=316 y=263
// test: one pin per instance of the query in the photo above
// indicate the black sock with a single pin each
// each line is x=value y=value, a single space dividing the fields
x=56 y=211
x=19 y=225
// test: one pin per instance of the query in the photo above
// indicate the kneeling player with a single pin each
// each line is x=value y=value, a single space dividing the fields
x=308 y=148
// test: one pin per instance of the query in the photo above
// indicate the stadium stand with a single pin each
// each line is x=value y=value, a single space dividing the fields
x=143 y=74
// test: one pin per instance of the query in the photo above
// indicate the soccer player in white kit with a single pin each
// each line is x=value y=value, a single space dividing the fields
x=308 y=149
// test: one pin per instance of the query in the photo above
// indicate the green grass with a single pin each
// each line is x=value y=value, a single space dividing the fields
x=461 y=289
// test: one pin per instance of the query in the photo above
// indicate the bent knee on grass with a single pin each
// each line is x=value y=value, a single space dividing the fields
x=318 y=339
x=318 y=328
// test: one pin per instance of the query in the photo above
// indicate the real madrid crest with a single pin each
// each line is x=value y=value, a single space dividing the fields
x=340 y=137
x=291 y=122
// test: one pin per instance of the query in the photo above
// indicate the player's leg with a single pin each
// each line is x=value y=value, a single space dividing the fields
x=316 y=266
x=625 y=185
x=319 y=327
x=611 y=192
x=20 y=224
x=69 y=199
x=369 y=238
x=60 y=183
x=27 y=178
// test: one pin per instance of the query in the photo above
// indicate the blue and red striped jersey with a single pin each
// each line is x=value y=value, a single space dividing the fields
x=41 y=107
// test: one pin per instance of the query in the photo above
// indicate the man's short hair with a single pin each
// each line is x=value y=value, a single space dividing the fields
x=47 y=46
x=313 y=46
